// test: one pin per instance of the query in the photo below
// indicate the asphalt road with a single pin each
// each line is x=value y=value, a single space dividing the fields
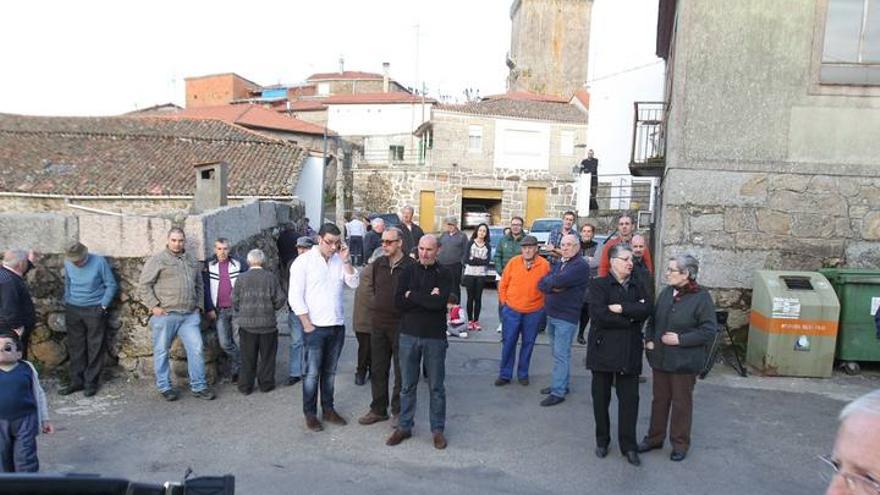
x=750 y=435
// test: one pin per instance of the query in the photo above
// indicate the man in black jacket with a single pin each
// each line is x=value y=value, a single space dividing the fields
x=618 y=307
x=421 y=296
x=16 y=305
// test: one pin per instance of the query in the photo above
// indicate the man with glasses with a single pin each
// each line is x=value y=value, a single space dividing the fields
x=384 y=276
x=618 y=307
x=854 y=466
x=508 y=247
x=625 y=230
x=317 y=279
x=563 y=290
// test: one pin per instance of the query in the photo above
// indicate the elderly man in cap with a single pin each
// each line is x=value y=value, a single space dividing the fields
x=16 y=305
x=522 y=309
x=295 y=367
x=453 y=253
x=89 y=287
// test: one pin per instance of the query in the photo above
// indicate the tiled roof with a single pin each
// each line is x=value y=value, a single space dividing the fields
x=344 y=76
x=527 y=96
x=583 y=96
x=520 y=108
x=126 y=156
x=364 y=98
x=251 y=116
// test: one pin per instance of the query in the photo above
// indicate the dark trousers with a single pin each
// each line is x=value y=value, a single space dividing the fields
x=383 y=344
x=675 y=392
x=627 y=387
x=85 y=343
x=585 y=318
x=455 y=269
x=474 y=286
x=412 y=351
x=25 y=338
x=364 y=363
x=258 y=351
x=356 y=246
x=322 y=346
x=18 y=444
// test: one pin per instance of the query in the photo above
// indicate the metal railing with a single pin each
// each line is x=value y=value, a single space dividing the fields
x=649 y=134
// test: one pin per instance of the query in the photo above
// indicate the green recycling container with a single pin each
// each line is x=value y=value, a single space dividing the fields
x=859 y=294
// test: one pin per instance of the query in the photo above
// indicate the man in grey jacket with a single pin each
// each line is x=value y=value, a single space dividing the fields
x=171 y=286
x=453 y=248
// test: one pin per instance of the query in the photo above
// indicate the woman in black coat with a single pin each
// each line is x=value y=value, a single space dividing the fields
x=618 y=307
x=677 y=340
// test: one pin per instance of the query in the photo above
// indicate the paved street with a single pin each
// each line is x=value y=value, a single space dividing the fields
x=751 y=435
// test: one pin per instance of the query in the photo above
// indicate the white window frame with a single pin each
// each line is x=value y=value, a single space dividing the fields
x=838 y=79
x=323 y=88
x=475 y=139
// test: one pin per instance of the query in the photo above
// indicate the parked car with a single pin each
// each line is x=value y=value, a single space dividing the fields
x=542 y=227
x=391 y=219
x=475 y=215
x=496 y=232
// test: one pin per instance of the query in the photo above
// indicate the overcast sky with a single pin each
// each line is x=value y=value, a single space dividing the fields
x=103 y=58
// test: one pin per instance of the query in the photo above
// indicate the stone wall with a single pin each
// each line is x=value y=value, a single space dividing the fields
x=127 y=241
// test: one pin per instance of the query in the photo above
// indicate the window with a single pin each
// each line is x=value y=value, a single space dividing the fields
x=475 y=138
x=395 y=153
x=566 y=143
x=640 y=195
x=323 y=89
x=851 y=51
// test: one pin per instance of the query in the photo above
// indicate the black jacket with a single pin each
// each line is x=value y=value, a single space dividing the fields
x=372 y=241
x=16 y=305
x=693 y=319
x=422 y=314
x=615 y=340
x=410 y=237
x=382 y=290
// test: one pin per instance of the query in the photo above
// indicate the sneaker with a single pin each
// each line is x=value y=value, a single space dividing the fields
x=470 y=325
x=448 y=333
x=205 y=394
x=371 y=418
x=477 y=326
x=462 y=335
x=70 y=389
x=170 y=395
x=90 y=391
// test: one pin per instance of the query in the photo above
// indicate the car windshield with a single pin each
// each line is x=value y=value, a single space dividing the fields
x=545 y=225
x=495 y=235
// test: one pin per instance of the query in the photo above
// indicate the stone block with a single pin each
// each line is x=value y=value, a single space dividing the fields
x=56 y=322
x=43 y=232
x=124 y=236
x=723 y=268
x=268 y=216
x=740 y=220
x=823 y=183
x=773 y=222
x=673 y=227
x=706 y=223
x=788 y=182
x=49 y=352
x=863 y=255
x=721 y=240
x=871 y=226
x=712 y=187
x=789 y=201
x=813 y=225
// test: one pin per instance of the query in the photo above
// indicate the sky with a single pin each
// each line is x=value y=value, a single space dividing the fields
x=105 y=58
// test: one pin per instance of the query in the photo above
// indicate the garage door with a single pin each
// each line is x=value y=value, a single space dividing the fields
x=536 y=201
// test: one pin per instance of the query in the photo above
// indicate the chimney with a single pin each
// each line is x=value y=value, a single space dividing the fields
x=386 y=77
x=211 y=178
x=341 y=64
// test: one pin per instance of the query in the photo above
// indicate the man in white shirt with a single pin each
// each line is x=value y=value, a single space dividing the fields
x=317 y=279
x=355 y=229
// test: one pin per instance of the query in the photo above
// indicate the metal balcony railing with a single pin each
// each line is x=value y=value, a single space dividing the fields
x=649 y=139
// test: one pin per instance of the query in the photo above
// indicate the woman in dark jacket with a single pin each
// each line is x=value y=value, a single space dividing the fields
x=618 y=307
x=677 y=339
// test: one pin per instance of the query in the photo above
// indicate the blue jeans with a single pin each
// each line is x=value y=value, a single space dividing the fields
x=18 y=444
x=412 y=350
x=296 y=345
x=227 y=334
x=514 y=323
x=322 y=349
x=186 y=326
x=561 y=334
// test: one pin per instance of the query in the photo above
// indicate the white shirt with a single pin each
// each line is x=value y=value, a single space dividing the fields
x=316 y=287
x=356 y=227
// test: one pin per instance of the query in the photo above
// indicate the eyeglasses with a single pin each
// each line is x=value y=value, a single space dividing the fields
x=9 y=348
x=334 y=244
x=386 y=242
x=673 y=270
x=625 y=260
x=857 y=484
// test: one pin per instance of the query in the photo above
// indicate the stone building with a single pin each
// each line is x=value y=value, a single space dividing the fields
x=549 y=46
x=771 y=153
x=510 y=154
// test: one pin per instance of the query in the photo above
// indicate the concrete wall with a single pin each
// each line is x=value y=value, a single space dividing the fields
x=764 y=169
x=549 y=43
x=216 y=90
x=370 y=120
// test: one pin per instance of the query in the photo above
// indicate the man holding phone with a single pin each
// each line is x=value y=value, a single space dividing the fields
x=317 y=279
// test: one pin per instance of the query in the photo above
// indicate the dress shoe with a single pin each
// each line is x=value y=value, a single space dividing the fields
x=371 y=418
x=524 y=382
x=397 y=437
x=70 y=389
x=204 y=394
x=235 y=378
x=601 y=452
x=552 y=400
x=293 y=380
x=90 y=390
x=677 y=455
x=644 y=446
x=581 y=340
x=360 y=379
x=439 y=440
x=546 y=391
x=313 y=424
x=632 y=457
x=332 y=416
x=171 y=395
x=500 y=382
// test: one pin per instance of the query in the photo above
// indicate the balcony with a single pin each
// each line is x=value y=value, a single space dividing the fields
x=648 y=156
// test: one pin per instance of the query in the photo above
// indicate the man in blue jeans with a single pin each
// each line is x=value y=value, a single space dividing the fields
x=317 y=279
x=220 y=275
x=295 y=351
x=564 y=290
x=171 y=286
x=421 y=295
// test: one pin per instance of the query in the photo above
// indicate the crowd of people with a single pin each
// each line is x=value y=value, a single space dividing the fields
x=406 y=305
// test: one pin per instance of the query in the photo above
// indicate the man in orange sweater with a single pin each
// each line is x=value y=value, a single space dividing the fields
x=522 y=309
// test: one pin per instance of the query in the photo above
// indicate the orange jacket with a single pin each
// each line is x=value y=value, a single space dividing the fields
x=605 y=261
x=519 y=286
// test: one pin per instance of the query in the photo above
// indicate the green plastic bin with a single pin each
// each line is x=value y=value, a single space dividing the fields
x=859 y=293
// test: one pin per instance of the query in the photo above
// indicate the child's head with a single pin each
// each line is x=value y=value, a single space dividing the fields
x=452 y=300
x=10 y=347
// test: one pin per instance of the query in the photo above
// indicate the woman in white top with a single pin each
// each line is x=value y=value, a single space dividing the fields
x=476 y=264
